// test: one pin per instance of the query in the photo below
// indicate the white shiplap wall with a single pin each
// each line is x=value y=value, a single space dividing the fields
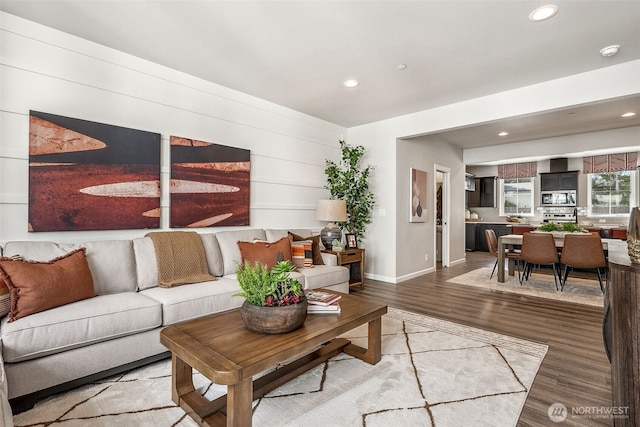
x=45 y=70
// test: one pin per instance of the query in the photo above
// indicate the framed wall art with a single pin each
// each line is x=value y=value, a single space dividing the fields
x=85 y=175
x=209 y=184
x=417 y=195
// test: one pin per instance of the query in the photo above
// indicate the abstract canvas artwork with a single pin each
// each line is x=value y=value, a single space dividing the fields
x=85 y=175
x=209 y=184
x=418 y=196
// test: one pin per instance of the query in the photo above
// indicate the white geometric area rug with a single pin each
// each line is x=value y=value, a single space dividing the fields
x=576 y=290
x=432 y=373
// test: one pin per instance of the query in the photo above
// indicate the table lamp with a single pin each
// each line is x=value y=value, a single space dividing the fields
x=331 y=210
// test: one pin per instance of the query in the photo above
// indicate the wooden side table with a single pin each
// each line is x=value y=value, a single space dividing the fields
x=353 y=259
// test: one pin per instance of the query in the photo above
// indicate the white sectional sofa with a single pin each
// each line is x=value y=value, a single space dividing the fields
x=66 y=346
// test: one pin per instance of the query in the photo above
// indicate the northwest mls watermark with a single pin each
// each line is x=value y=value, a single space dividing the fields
x=559 y=413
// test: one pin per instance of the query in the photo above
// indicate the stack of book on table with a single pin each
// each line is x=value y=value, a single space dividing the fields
x=322 y=302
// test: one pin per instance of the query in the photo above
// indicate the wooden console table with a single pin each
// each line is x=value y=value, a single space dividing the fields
x=354 y=260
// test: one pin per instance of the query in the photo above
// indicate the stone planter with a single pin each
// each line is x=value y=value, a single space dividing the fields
x=273 y=320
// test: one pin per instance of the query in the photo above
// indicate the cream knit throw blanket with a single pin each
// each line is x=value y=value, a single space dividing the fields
x=181 y=258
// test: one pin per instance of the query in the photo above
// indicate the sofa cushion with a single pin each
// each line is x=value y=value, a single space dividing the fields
x=111 y=262
x=113 y=266
x=214 y=257
x=268 y=253
x=146 y=264
x=38 y=286
x=195 y=300
x=5 y=298
x=228 y=242
x=38 y=251
x=324 y=275
x=276 y=234
x=79 y=324
x=181 y=258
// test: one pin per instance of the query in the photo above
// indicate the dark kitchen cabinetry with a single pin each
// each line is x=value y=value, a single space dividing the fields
x=558 y=181
x=484 y=195
x=475 y=239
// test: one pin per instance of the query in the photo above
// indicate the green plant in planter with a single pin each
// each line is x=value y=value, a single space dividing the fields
x=347 y=181
x=567 y=227
x=269 y=288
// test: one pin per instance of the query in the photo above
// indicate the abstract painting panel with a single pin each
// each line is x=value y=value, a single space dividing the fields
x=418 y=193
x=209 y=184
x=85 y=175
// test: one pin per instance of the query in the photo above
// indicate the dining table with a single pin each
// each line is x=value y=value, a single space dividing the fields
x=511 y=241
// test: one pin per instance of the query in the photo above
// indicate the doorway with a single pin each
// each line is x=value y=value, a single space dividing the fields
x=441 y=224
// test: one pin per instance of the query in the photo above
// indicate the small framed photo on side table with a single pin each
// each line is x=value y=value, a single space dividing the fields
x=352 y=242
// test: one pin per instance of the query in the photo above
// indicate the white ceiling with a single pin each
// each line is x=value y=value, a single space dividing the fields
x=297 y=53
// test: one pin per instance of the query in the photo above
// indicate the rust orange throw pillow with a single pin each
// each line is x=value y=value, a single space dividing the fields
x=39 y=286
x=268 y=253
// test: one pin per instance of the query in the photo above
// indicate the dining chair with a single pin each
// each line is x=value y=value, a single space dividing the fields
x=583 y=251
x=539 y=249
x=492 y=244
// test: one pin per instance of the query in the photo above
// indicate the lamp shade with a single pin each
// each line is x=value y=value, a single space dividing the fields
x=331 y=210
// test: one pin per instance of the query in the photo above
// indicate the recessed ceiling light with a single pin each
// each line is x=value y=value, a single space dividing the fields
x=402 y=66
x=629 y=114
x=350 y=83
x=503 y=133
x=610 y=50
x=543 y=12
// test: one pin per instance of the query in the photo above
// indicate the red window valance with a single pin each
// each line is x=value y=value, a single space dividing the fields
x=518 y=170
x=610 y=163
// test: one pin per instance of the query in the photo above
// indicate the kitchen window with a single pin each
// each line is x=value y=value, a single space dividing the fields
x=611 y=193
x=516 y=196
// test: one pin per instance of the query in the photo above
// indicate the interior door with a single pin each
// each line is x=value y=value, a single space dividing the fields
x=445 y=209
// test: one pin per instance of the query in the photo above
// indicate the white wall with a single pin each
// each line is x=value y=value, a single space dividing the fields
x=45 y=70
x=380 y=138
x=425 y=153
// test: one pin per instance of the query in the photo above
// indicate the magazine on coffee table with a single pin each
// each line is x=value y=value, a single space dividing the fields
x=331 y=308
x=321 y=298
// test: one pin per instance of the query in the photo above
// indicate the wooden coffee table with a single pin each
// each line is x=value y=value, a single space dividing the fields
x=223 y=350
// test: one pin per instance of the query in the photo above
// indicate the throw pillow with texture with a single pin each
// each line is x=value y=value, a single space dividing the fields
x=301 y=253
x=268 y=253
x=5 y=298
x=38 y=286
x=5 y=294
x=315 y=247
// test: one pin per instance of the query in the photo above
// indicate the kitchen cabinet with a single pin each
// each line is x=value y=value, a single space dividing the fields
x=475 y=239
x=470 y=236
x=558 y=181
x=484 y=195
x=470 y=182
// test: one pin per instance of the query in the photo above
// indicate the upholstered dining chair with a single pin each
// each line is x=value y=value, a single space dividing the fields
x=492 y=244
x=539 y=249
x=584 y=251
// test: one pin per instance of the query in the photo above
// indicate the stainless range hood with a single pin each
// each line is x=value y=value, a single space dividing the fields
x=561 y=164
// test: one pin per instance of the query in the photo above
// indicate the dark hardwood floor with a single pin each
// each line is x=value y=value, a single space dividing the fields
x=575 y=370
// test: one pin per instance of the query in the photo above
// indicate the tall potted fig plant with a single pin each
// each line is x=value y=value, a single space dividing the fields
x=349 y=181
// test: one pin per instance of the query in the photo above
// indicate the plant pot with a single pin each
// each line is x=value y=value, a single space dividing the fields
x=273 y=320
